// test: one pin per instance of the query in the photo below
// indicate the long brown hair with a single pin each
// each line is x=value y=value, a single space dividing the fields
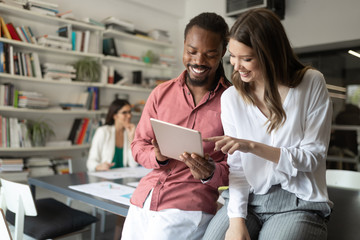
x=261 y=30
x=115 y=106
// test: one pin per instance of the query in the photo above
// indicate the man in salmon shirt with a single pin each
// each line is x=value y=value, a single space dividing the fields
x=177 y=199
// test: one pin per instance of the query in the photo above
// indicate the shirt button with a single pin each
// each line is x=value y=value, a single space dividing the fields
x=188 y=93
x=158 y=183
x=168 y=171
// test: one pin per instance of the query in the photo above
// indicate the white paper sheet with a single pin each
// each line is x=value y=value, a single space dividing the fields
x=117 y=173
x=108 y=190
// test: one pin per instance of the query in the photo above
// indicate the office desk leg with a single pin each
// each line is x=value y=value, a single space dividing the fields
x=93 y=226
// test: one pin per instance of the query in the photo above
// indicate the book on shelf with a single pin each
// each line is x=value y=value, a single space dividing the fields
x=21 y=34
x=25 y=64
x=65 y=32
x=30 y=34
x=4 y=28
x=2 y=57
x=85 y=46
x=82 y=130
x=109 y=47
x=14 y=133
x=13 y=33
x=94 y=98
x=7 y=94
x=74 y=129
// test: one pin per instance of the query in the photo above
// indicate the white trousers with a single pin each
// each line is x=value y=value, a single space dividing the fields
x=168 y=224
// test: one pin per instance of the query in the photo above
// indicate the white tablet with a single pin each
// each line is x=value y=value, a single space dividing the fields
x=174 y=140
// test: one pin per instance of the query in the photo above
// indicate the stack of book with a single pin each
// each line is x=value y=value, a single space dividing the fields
x=11 y=165
x=29 y=99
x=12 y=169
x=61 y=72
x=76 y=101
x=159 y=35
x=42 y=7
x=118 y=25
x=39 y=166
x=54 y=42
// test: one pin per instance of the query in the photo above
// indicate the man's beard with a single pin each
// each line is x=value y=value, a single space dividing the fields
x=196 y=82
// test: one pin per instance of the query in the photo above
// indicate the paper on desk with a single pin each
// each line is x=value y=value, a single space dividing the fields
x=127 y=172
x=108 y=190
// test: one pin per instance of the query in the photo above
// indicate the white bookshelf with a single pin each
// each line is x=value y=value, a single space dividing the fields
x=57 y=91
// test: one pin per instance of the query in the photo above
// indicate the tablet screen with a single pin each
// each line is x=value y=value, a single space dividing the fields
x=174 y=140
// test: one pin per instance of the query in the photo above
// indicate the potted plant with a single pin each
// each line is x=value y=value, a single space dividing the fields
x=87 y=70
x=39 y=132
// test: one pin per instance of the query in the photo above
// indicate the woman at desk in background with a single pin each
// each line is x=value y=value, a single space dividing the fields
x=277 y=120
x=110 y=147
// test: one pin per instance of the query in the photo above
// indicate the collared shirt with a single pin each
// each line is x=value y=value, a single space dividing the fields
x=173 y=184
x=303 y=141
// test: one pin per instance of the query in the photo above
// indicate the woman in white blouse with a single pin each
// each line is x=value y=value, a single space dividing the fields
x=110 y=147
x=277 y=120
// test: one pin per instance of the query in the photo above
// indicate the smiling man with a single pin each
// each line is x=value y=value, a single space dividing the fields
x=177 y=199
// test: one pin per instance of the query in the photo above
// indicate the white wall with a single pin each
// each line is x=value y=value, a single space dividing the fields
x=309 y=23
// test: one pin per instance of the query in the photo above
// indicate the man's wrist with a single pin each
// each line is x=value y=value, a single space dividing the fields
x=163 y=163
x=208 y=178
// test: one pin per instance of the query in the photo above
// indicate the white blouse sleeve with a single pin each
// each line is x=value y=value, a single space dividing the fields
x=97 y=143
x=238 y=185
x=316 y=132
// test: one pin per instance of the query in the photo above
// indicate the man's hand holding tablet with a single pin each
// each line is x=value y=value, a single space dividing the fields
x=184 y=144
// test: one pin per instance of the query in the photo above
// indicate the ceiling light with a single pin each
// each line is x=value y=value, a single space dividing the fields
x=356 y=54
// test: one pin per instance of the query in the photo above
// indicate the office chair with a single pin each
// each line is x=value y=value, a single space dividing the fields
x=343 y=179
x=41 y=219
x=344 y=192
x=4 y=228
